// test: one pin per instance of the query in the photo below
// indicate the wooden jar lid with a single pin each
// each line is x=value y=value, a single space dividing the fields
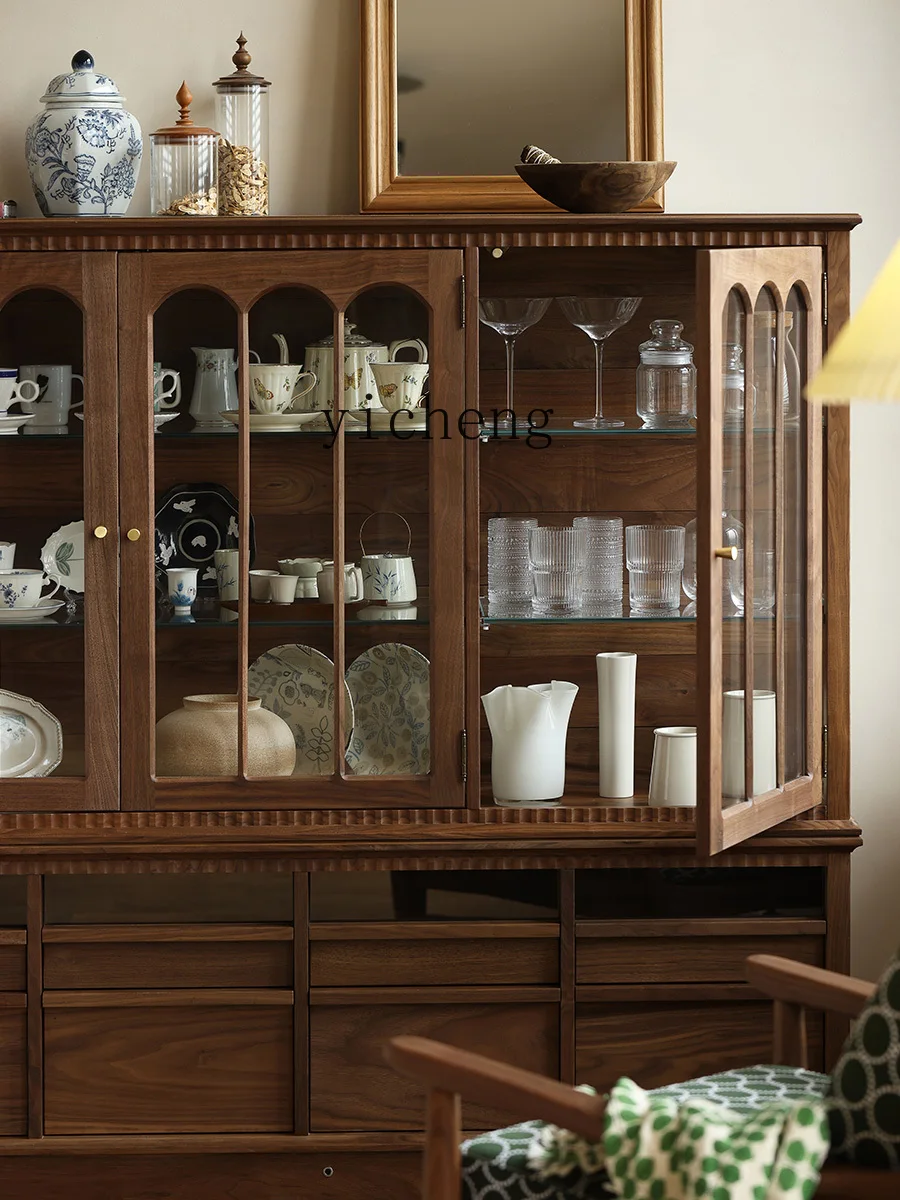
x=184 y=127
x=242 y=77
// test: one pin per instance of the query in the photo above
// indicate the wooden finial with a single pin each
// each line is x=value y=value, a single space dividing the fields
x=241 y=58
x=184 y=98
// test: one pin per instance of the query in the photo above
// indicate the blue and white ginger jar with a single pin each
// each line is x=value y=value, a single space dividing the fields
x=84 y=150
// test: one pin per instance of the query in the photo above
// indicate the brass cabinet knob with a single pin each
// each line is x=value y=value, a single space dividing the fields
x=133 y=535
x=100 y=531
x=729 y=552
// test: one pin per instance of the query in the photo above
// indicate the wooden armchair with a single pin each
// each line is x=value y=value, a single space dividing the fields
x=448 y=1074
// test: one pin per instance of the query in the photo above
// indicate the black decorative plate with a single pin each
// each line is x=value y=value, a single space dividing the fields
x=193 y=521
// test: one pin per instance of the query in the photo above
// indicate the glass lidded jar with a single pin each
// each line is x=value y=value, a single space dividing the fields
x=242 y=115
x=184 y=166
x=733 y=380
x=666 y=379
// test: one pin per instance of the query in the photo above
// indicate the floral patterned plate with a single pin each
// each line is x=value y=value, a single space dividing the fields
x=63 y=556
x=25 y=616
x=390 y=687
x=31 y=741
x=297 y=684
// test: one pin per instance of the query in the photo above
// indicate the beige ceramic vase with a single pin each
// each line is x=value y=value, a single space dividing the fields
x=201 y=739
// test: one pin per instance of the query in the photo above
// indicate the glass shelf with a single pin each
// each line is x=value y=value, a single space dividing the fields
x=274 y=616
x=76 y=622
x=600 y=614
x=569 y=430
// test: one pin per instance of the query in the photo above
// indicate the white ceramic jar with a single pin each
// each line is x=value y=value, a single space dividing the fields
x=84 y=150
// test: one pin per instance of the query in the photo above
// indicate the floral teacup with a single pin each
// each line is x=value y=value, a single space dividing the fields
x=400 y=384
x=22 y=589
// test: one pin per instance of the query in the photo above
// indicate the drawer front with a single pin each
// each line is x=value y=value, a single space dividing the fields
x=659 y=1043
x=396 y=963
x=684 y=959
x=353 y=1088
x=168 y=1069
x=168 y=964
x=13 y=1072
x=12 y=968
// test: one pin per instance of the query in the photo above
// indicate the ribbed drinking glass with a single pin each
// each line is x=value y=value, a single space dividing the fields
x=509 y=567
x=654 y=555
x=557 y=562
x=603 y=558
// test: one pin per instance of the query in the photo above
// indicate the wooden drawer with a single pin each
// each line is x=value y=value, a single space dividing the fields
x=163 y=956
x=353 y=1088
x=168 y=1062
x=688 y=951
x=453 y=952
x=12 y=960
x=13 y=1065
x=656 y=1043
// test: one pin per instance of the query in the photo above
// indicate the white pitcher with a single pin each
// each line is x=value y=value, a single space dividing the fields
x=528 y=731
x=215 y=389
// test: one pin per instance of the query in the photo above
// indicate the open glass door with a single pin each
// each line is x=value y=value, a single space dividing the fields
x=759 y=542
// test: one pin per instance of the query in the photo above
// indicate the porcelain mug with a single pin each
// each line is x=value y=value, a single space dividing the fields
x=182 y=588
x=12 y=392
x=765 y=773
x=164 y=398
x=226 y=563
x=22 y=589
x=7 y=555
x=54 y=395
x=273 y=386
x=283 y=588
x=259 y=586
x=673 y=775
x=400 y=384
x=389 y=578
x=353 y=583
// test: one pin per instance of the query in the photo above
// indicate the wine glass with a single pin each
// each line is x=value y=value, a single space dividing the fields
x=509 y=317
x=599 y=316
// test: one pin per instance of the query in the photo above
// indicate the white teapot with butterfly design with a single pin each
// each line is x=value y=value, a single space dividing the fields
x=359 y=382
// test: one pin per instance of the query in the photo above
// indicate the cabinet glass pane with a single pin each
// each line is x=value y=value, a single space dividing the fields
x=291 y=500
x=387 y=500
x=738 y=410
x=794 y=597
x=195 y=479
x=42 y=635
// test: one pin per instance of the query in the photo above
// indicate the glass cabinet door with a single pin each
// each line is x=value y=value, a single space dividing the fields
x=292 y=601
x=59 y=639
x=760 y=542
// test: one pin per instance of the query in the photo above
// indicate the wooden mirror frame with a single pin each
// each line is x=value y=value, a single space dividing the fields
x=382 y=189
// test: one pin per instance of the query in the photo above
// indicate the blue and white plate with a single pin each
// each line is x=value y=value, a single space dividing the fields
x=391 y=691
x=297 y=684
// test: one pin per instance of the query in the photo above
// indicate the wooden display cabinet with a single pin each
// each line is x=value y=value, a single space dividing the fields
x=204 y=970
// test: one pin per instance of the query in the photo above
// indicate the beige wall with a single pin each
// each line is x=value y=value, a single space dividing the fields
x=769 y=107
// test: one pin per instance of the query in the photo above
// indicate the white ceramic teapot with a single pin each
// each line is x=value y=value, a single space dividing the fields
x=388 y=577
x=359 y=382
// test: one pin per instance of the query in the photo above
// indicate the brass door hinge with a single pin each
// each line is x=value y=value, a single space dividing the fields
x=824 y=297
x=464 y=755
x=824 y=751
x=462 y=301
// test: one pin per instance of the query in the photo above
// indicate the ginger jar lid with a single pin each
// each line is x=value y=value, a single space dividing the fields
x=82 y=85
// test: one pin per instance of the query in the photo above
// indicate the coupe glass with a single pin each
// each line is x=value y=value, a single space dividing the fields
x=599 y=316
x=510 y=317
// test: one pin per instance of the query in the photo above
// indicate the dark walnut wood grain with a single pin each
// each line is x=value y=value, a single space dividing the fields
x=665 y=1042
x=684 y=959
x=169 y=965
x=168 y=1070
x=353 y=1088
x=13 y=1068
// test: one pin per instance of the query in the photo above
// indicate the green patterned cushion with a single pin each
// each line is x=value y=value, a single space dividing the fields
x=495 y=1167
x=864 y=1100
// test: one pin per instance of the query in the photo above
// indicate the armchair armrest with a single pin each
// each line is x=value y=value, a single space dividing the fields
x=523 y=1094
x=796 y=983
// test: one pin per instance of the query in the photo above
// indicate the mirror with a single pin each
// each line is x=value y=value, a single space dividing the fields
x=552 y=75
x=451 y=92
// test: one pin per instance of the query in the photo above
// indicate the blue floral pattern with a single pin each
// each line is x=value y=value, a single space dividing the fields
x=84 y=160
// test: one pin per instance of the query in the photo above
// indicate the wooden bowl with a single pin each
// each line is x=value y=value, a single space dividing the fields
x=602 y=187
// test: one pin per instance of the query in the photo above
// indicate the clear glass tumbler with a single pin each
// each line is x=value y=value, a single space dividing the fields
x=603 y=558
x=654 y=555
x=763 y=582
x=509 y=567
x=557 y=561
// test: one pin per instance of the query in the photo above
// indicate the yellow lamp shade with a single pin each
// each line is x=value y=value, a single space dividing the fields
x=864 y=362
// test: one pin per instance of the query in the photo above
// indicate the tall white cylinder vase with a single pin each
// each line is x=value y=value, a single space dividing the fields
x=765 y=772
x=615 y=692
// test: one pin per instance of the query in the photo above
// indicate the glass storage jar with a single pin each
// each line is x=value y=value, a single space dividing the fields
x=733 y=384
x=666 y=379
x=184 y=166
x=765 y=359
x=732 y=535
x=242 y=115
